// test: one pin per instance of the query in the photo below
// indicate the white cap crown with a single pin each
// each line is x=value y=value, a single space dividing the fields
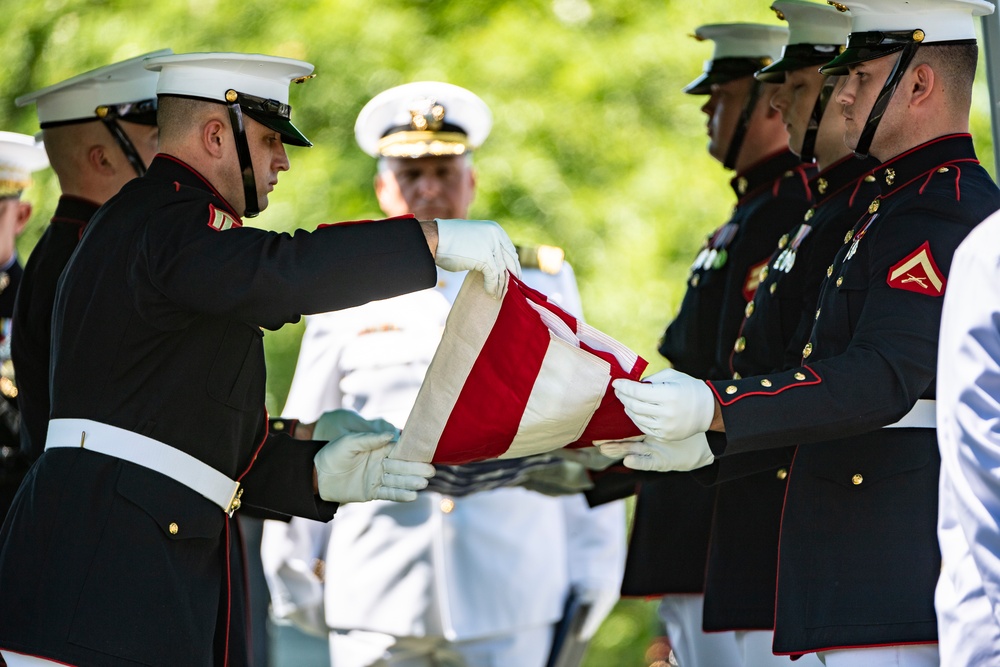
x=78 y=98
x=940 y=20
x=20 y=156
x=423 y=118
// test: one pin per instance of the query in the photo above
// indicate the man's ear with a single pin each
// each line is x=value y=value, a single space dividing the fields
x=23 y=215
x=98 y=161
x=922 y=84
x=214 y=134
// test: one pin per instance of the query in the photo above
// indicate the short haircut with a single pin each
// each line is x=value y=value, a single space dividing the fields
x=176 y=116
x=955 y=64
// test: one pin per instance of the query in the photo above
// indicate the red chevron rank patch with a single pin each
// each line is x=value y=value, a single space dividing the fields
x=220 y=221
x=755 y=276
x=918 y=273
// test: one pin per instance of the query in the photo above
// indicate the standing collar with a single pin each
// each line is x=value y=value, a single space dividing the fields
x=841 y=174
x=74 y=210
x=893 y=175
x=764 y=173
x=169 y=168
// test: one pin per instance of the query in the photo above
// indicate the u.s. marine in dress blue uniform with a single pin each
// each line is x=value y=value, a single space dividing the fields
x=743 y=551
x=33 y=315
x=772 y=195
x=191 y=302
x=669 y=541
x=110 y=110
x=157 y=332
x=743 y=547
x=858 y=558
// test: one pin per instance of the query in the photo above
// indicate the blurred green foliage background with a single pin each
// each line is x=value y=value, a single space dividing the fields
x=594 y=148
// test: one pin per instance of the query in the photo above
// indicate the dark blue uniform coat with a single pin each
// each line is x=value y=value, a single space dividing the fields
x=669 y=541
x=158 y=329
x=743 y=550
x=858 y=553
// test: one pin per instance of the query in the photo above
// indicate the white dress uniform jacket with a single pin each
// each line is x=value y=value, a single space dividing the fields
x=482 y=565
x=967 y=599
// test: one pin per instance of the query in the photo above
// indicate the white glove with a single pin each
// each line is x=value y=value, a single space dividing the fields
x=335 y=423
x=602 y=601
x=669 y=405
x=356 y=467
x=661 y=455
x=477 y=245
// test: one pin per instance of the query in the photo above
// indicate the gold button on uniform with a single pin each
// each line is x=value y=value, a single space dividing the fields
x=447 y=505
x=943 y=170
x=850 y=235
x=741 y=344
x=765 y=383
x=748 y=311
x=279 y=426
x=857 y=479
x=695 y=280
x=737 y=376
x=763 y=273
x=829 y=271
x=800 y=376
x=773 y=288
x=869 y=178
x=173 y=528
x=731 y=389
x=782 y=473
x=807 y=350
x=783 y=241
x=809 y=214
x=840 y=281
x=817 y=315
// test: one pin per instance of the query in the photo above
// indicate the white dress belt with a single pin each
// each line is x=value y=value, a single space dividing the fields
x=153 y=454
x=922 y=415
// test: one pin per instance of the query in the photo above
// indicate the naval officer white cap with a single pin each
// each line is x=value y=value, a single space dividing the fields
x=423 y=118
x=20 y=156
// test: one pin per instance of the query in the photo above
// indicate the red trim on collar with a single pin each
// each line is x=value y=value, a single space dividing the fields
x=194 y=171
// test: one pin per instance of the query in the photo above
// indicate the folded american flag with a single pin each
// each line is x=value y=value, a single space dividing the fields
x=515 y=377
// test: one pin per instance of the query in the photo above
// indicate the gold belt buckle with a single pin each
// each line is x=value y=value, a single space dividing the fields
x=236 y=502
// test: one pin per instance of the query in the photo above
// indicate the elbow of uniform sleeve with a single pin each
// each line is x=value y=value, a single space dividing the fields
x=717 y=442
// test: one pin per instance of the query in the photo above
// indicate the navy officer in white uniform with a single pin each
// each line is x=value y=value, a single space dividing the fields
x=477 y=580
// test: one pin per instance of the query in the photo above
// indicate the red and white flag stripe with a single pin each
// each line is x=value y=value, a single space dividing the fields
x=514 y=377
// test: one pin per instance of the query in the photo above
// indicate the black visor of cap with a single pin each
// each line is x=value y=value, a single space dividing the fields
x=273 y=115
x=864 y=46
x=724 y=70
x=798 y=56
